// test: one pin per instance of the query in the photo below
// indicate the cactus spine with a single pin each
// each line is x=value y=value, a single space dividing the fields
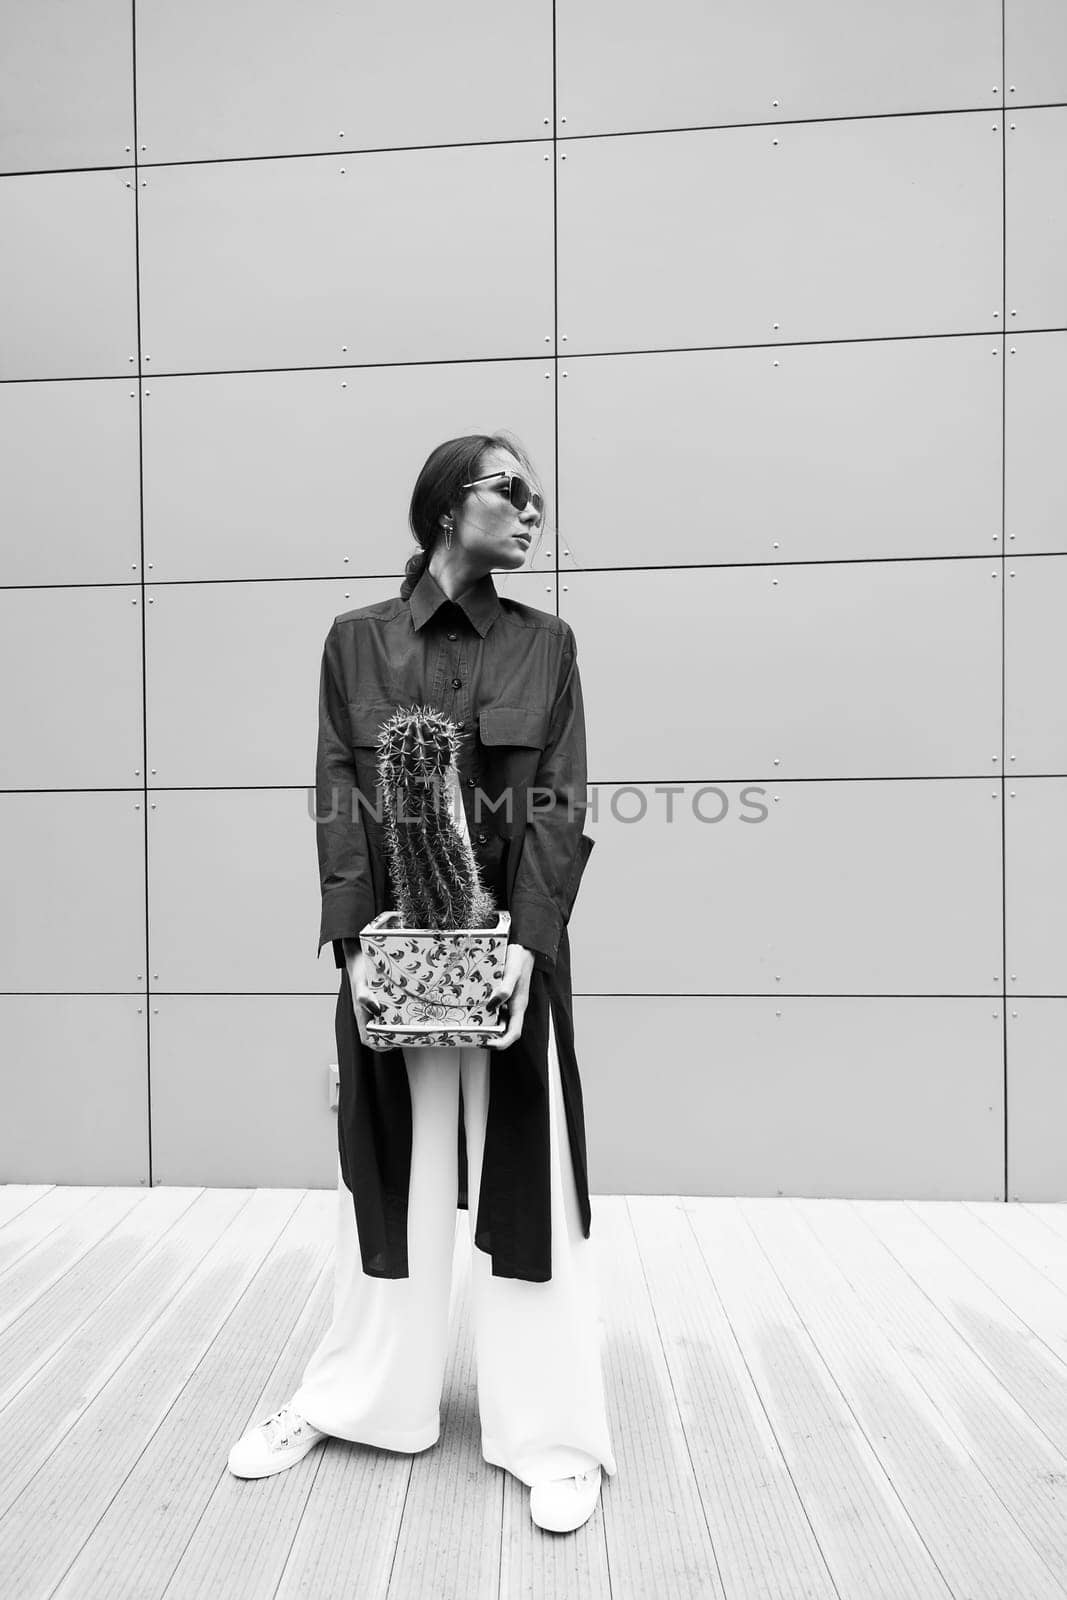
x=434 y=873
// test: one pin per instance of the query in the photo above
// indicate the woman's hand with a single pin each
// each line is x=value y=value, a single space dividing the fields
x=364 y=1003
x=513 y=987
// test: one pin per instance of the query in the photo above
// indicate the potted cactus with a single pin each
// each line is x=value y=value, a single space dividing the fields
x=439 y=955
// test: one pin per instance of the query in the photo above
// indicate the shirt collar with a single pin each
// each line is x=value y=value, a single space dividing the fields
x=480 y=603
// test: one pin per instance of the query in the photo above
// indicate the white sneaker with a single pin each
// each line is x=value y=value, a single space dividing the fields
x=279 y=1441
x=565 y=1503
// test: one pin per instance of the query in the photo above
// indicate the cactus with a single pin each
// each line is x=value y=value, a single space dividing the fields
x=434 y=874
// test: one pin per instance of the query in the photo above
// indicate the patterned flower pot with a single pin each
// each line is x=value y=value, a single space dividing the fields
x=434 y=984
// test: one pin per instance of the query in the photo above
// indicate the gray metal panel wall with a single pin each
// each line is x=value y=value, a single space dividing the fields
x=776 y=299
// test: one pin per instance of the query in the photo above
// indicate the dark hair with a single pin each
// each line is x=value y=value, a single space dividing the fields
x=438 y=488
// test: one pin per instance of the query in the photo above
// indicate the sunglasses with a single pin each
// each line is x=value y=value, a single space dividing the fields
x=516 y=489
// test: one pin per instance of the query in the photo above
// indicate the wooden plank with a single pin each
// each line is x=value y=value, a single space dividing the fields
x=1053 y=1213
x=1014 y=1456
x=15 y=1198
x=106 y=1395
x=658 y=1540
x=763 y=1540
x=55 y=1289
x=871 y=1547
x=28 y=1230
x=181 y=1523
x=999 y=1326
x=1031 y=1236
x=976 y=1544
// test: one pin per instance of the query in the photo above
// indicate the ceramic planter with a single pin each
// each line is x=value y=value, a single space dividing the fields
x=434 y=983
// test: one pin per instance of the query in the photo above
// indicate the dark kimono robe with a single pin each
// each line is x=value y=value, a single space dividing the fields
x=508 y=674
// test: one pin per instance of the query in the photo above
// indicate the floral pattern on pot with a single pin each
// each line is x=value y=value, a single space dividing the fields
x=395 y=1038
x=435 y=984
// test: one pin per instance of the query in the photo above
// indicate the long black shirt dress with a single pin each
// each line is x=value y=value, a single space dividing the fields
x=508 y=675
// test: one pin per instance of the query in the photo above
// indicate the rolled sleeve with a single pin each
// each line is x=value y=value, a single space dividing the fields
x=344 y=860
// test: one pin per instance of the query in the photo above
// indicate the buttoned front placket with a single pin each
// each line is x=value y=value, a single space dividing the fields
x=453 y=677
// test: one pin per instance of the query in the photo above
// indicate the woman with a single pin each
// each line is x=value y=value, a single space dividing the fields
x=497 y=1130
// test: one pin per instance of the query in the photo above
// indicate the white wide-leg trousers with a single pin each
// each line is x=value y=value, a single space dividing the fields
x=378 y=1373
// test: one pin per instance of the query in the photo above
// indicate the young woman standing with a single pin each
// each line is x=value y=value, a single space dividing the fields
x=497 y=1130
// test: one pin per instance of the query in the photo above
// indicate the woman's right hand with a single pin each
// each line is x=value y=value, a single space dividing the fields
x=364 y=1003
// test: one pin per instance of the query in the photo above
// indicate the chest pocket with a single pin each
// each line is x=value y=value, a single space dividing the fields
x=513 y=738
x=523 y=726
x=365 y=720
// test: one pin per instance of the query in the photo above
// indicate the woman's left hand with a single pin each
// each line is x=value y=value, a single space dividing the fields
x=514 y=987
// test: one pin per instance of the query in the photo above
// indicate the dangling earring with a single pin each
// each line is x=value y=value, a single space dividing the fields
x=448 y=536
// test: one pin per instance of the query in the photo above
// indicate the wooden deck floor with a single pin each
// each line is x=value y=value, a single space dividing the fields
x=809 y=1399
